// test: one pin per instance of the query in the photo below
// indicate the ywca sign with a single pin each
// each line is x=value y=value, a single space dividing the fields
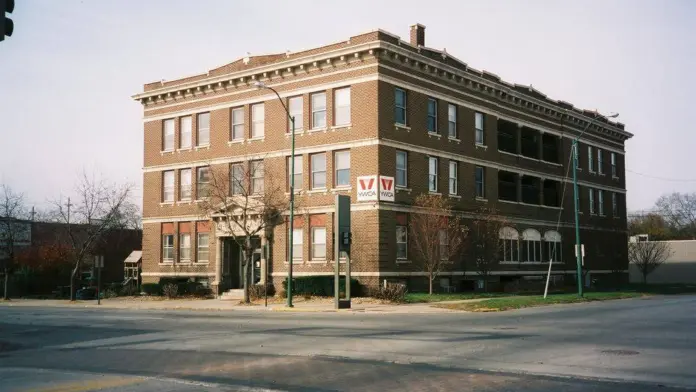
x=375 y=188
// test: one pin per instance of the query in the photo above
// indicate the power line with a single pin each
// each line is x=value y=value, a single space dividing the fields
x=661 y=178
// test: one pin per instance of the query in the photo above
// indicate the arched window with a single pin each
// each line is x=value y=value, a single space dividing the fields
x=552 y=247
x=510 y=244
x=531 y=245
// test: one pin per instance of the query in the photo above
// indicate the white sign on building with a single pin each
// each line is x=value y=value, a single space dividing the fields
x=375 y=188
x=386 y=188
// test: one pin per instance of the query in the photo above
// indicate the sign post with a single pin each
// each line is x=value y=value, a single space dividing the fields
x=99 y=264
x=342 y=240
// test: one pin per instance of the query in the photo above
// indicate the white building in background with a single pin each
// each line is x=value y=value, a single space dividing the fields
x=680 y=267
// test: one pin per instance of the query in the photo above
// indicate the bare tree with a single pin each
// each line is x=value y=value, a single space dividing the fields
x=97 y=208
x=246 y=201
x=485 y=243
x=679 y=209
x=436 y=234
x=648 y=255
x=13 y=231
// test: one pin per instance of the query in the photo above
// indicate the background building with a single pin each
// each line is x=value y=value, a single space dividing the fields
x=377 y=105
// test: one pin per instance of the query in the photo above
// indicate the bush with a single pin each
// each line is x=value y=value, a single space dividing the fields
x=321 y=286
x=128 y=290
x=151 y=288
x=393 y=292
x=109 y=293
x=282 y=293
x=170 y=290
x=256 y=291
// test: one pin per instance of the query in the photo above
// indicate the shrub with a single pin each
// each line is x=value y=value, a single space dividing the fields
x=170 y=290
x=321 y=286
x=151 y=288
x=109 y=293
x=128 y=290
x=282 y=293
x=256 y=291
x=393 y=292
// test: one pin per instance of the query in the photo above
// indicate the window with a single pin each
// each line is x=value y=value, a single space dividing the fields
x=444 y=245
x=432 y=115
x=592 y=204
x=237 y=124
x=185 y=184
x=508 y=133
x=203 y=248
x=452 y=120
x=576 y=150
x=613 y=164
x=257 y=173
x=401 y=168
x=510 y=240
x=507 y=185
x=432 y=174
x=297 y=172
x=342 y=163
x=203 y=135
x=531 y=245
x=600 y=200
x=168 y=135
x=453 y=177
x=552 y=240
x=318 y=243
x=168 y=248
x=614 y=205
x=600 y=162
x=297 y=244
x=400 y=106
x=480 y=182
x=342 y=106
x=478 y=120
x=318 y=163
x=237 y=179
x=529 y=142
x=590 y=161
x=257 y=120
x=401 y=242
x=531 y=189
x=296 y=108
x=168 y=186
x=185 y=247
x=318 y=110
x=185 y=132
x=202 y=182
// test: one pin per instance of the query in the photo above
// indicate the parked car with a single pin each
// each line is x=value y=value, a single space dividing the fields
x=86 y=293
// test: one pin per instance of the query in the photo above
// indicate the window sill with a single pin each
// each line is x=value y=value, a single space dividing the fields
x=403 y=189
x=184 y=262
x=434 y=134
x=404 y=127
x=314 y=130
x=235 y=141
x=201 y=263
x=454 y=196
x=453 y=139
x=256 y=139
x=163 y=152
x=184 y=201
x=481 y=199
x=602 y=175
x=347 y=127
x=317 y=261
x=203 y=146
x=615 y=178
x=341 y=189
x=297 y=192
x=403 y=261
x=578 y=169
x=483 y=146
x=298 y=261
x=183 y=149
x=166 y=203
x=435 y=193
x=318 y=190
x=297 y=132
x=201 y=200
x=508 y=201
x=551 y=163
x=166 y=263
x=593 y=172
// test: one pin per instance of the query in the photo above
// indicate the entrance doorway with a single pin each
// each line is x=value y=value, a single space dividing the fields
x=232 y=263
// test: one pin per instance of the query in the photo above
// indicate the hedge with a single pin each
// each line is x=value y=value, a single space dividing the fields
x=321 y=286
x=184 y=287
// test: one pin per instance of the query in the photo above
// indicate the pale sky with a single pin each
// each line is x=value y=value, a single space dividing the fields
x=67 y=73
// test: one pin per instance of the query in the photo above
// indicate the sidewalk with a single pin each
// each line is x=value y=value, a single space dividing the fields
x=300 y=305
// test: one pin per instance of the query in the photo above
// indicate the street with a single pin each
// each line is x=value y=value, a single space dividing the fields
x=628 y=345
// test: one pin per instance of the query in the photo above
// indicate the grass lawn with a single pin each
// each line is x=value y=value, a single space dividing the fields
x=413 y=298
x=500 y=304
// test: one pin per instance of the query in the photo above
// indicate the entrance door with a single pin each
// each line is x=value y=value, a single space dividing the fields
x=233 y=271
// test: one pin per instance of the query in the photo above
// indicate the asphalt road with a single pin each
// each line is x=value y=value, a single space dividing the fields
x=631 y=345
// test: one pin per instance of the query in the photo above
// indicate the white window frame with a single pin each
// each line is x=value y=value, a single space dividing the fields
x=483 y=182
x=185 y=184
x=600 y=201
x=167 y=248
x=404 y=243
x=316 y=243
x=532 y=242
x=237 y=124
x=185 y=247
x=199 y=170
x=432 y=173
x=403 y=169
x=431 y=115
x=202 y=132
x=613 y=165
x=168 y=186
x=258 y=118
x=185 y=132
x=342 y=110
x=338 y=168
x=202 y=250
x=316 y=111
x=443 y=243
x=296 y=112
x=591 y=199
x=237 y=183
x=511 y=244
x=403 y=108
x=590 y=159
x=453 y=177
x=600 y=161
x=452 y=120
x=479 y=132
x=314 y=171
x=297 y=241
x=257 y=173
x=299 y=171
x=168 y=130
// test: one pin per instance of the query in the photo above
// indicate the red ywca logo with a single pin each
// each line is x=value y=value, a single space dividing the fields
x=386 y=188
x=366 y=184
x=367 y=188
x=387 y=183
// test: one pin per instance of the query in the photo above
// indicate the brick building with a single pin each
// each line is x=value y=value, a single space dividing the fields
x=377 y=105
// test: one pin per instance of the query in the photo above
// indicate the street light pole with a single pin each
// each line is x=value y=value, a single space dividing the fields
x=574 y=151
x=260 y=85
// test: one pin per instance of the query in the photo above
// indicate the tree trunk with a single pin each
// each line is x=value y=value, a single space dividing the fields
x=645 y=279
x=248 y=256
x=72 y=283
x=6 y=294
x=430 y=282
